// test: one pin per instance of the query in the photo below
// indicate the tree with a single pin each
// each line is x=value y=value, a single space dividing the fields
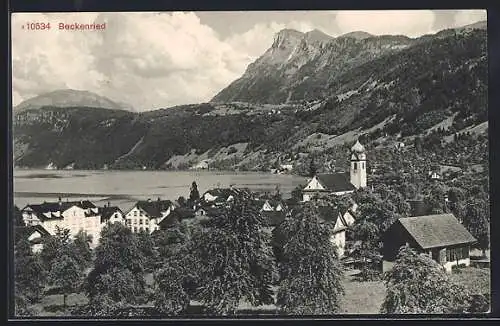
x=146 y=246
x=311 y=273
x=176 y=280
x=53 y=245
x=235 y=259
x=181 y=201
x=118 y=273
x=418 y=284
x=194 y=195
x=297 y=193
x=367 y=247
x=82 y=251
x=170 y=295
x=30 y=276
x=66 y=274
x=312 y=168
x=476 y=220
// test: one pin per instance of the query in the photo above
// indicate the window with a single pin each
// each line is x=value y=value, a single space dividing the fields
x=147 y=230
x=454 y=254
x=135 y=229
x=129 y=221
x=355 y=166
x=135 y=213
x=363 y=165
x=140 y=221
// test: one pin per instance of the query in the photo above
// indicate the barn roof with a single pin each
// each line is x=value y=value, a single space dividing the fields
x=335 y=182
x=431 y=231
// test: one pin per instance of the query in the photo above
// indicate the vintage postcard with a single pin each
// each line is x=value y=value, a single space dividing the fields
x=259 y=163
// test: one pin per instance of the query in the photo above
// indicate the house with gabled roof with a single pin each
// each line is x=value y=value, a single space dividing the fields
x=340 y=221
x=36 y=234
x=111 y=214
x=340 y=183
x=72 y=215
x=147 y=214
x=440 y=236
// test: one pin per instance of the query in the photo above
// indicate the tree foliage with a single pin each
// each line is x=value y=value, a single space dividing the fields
x=418 y=284
x=29 y=276
x=66 y=274
x=311 y=273
x=118 y=273
x=236 y=259
x=177 y=278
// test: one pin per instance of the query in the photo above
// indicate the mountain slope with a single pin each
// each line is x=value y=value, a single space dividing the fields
x=298 y=68
x=401 y=95
x=69 y=98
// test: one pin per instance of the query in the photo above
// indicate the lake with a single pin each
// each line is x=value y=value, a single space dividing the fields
x=124 y=188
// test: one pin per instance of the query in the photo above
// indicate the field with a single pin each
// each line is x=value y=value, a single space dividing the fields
x=359 y=298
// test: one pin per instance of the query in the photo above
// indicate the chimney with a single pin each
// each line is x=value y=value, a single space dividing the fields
x=109 y=205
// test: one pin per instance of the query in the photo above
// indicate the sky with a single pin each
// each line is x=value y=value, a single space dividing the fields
x=156 y=60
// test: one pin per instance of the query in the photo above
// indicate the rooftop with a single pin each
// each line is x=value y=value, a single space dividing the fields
x=431 y=231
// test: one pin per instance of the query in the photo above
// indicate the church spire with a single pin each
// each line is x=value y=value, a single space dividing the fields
x=358 y=165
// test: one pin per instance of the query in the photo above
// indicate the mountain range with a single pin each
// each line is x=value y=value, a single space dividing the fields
x=308 y=95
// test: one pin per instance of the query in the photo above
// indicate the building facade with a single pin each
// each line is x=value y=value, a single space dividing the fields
x=146 y=215
x=75 y=216
x=440 y=236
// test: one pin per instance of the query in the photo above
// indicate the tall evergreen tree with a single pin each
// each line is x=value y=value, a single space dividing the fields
x=236 y=259
x=311 y=273
x=312 y=168
x=194 y=195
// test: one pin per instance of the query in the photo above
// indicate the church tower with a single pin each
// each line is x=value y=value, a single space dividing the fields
x=358 y=165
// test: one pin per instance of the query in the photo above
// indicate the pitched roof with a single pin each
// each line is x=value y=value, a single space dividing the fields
x=107 y=211
x=335 y=182
x=183 y=212
x=154 y=208
x=27 y=231
x=52 y=207
x=431 y=231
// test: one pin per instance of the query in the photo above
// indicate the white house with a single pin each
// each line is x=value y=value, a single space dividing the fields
x=434 y=176
x=146 y=215
x=36 y=235
x=340 y=183
x=111 y=214
x=75 y=216
x=341 y=222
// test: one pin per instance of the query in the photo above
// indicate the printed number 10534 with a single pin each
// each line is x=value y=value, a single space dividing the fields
x=36 y=26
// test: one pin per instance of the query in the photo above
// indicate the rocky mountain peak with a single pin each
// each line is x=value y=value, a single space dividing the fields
x=286 y=38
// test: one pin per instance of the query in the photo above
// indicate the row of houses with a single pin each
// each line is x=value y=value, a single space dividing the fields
x=441 y=236
x=145 y=216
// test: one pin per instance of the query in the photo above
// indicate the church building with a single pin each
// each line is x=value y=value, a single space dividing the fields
x=340 y=183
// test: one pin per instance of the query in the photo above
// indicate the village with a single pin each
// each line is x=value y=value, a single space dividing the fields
x=440 y=235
